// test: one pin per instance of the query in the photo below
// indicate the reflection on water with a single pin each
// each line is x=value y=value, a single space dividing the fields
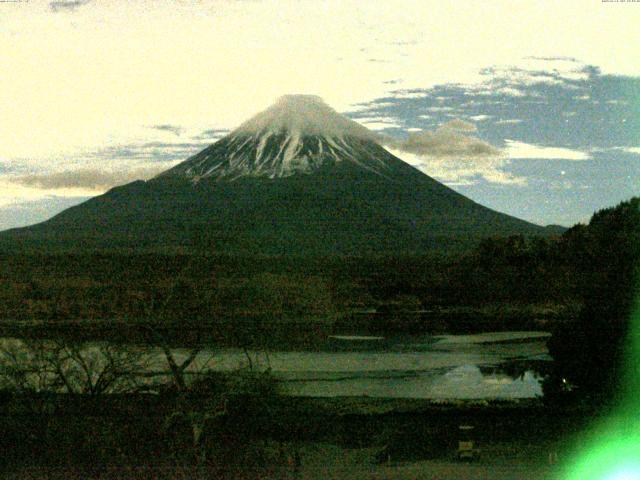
x=421 y=366
x=463 y=382
x=442 y=367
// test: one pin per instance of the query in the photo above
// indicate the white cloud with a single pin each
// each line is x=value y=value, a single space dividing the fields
x=87 y=179
x=13 y=193
x=521 y=76
x=452 y=155
x=461 y=171
x=509 y=121
x=634 y=150
x=439 y=109
x=449 y=140
x=17 y=189
x=405 y=94
x=375 y=126
x=378 y=123
x=544 y=70
x=67 y=5
x=510 y=91
x=520 y=150
x=35 y=211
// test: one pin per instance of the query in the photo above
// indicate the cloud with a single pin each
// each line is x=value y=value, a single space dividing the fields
x=92 y=172
x=459 y=126
x=414 y=93
x=87 y=178
x=175 y=129
x=509 y=121
x=439 y=109
x=531 y=78
x=458 y=171
x=146 y=151
x=634 y=150
x=616 y=101
x=540 y=70
x=453 y=156
x=211 y=134
x=480 y=118
x=34 y=211
x=13 y=193
x=67 y=5
x=378 y=123
x=448 y=141
x=521 y=150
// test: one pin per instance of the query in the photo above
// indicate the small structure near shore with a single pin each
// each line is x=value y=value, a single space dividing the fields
x=467 y=448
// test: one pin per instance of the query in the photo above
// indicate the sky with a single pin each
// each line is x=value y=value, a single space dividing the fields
x=531 y=108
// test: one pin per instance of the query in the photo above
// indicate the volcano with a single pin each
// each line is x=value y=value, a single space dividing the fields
x=296 y=179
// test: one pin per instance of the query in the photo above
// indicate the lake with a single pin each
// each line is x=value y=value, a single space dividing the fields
x=499 y=365
x=492 y=365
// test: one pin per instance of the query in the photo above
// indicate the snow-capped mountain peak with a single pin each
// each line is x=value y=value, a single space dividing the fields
x=297 y=134
x=303 y=115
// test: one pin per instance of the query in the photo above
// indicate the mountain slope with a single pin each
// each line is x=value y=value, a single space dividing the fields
x=297 y=179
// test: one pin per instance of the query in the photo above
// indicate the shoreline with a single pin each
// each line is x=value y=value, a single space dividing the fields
x=271 y=331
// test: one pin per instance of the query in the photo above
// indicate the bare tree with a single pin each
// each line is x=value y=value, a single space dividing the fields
x=80 y=368
x=164 y=311
x=24 y=367
x=99 y=369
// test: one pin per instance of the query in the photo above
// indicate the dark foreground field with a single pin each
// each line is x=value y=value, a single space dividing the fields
x=324 y=462
x=151 y=436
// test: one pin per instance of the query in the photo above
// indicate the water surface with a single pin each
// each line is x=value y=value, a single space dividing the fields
x=492 y=365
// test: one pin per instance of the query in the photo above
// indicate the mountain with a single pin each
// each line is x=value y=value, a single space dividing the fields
x=296 y=179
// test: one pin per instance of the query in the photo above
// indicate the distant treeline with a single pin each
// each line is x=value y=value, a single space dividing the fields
x=101 y=286
x=502 y=271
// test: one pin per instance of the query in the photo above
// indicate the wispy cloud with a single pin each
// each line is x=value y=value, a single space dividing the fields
x=521 y=150
x=86 y=178
x=175 y=129
x=211 y=134
x=634 y=150
x=509 y=121
x=95 y=171
x=147 y=151
x=479 y=118
x=67 y=5
x=34 y=211
x=379 y=123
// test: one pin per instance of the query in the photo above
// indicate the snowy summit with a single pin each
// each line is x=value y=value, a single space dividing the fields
x=297 y=134
x=303 y=115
